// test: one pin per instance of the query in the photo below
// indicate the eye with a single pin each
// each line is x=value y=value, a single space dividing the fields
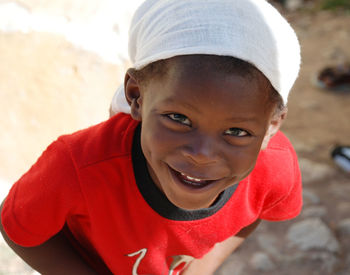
x=179 y=118
x=236 y=132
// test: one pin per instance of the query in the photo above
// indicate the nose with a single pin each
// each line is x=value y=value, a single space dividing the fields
x=202 y=150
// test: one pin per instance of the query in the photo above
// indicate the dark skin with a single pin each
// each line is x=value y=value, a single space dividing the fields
x=57 y=256
x=207 y=130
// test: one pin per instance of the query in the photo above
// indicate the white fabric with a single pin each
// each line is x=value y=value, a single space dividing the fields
x=251 y=30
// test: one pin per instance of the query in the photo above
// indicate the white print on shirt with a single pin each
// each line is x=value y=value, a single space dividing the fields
x=177 y=260
x=142 y=253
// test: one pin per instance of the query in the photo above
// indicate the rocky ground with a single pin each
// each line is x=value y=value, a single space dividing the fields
x=317 y=242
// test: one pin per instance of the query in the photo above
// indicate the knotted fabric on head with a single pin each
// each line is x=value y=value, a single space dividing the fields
x=251 y=30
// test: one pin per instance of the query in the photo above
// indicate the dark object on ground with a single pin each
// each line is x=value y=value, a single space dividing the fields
x=335 y=78
x=341 y=156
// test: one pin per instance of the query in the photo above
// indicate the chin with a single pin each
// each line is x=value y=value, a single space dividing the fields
x=191 y=204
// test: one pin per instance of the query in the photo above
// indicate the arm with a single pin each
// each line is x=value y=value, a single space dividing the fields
x=55 y=256
x=212 y=260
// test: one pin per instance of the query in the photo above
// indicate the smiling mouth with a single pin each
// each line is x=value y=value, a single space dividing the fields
x=191 y=181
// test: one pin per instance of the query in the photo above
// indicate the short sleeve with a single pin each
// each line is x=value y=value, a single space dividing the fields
x=39 y=203
x=287 y=202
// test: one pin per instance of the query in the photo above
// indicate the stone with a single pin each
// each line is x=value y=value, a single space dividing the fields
x=310 y=234
x=340 y=190
x=232 y=265
x=343 y=208
x=312 y=171
x=343 y=227
x=269 y=243
x=51 y=89
x=314 y=211
x=261 y=261
x=293 y=5
x=310 y=197
x=324 y=260
x=89 y=25
x=311 y=263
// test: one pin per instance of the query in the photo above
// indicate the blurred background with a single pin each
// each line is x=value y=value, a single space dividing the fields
x=61 y=61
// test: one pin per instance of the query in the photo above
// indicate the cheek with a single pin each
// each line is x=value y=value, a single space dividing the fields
x=157 y=141
x=243 y=160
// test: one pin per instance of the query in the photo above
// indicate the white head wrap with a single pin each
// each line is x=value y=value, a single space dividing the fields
x=251 y=30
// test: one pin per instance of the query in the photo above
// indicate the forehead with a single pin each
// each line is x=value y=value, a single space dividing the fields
x=226 y=65
x=195 y=67
x=203 y=86
x=232 y=75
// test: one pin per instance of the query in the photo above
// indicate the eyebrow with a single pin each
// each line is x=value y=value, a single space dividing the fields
x=185 y=104
x=241 y=119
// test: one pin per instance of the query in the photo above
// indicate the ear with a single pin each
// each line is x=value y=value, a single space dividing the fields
x=274 y=126
x=133 y=95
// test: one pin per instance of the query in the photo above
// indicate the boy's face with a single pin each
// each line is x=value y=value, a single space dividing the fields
x=201 y=131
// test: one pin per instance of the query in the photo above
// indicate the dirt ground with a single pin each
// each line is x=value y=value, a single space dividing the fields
x=318 y=120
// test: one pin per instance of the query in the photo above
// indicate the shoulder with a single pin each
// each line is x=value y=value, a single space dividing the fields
x=106 y=140
x=277 y=169
x=278 y=154
x=276 y=180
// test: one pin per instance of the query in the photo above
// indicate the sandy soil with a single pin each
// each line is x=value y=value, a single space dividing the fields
x=319 y=119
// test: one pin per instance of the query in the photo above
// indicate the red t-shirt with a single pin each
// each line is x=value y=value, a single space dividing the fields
x=95 y=184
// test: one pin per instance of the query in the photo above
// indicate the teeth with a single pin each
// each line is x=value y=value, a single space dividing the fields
x=190 y=178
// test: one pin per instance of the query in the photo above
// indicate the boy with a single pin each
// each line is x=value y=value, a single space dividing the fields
x=177 y=185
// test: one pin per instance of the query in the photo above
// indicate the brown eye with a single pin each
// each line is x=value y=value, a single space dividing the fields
x=180 y=119
x=236 y=132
